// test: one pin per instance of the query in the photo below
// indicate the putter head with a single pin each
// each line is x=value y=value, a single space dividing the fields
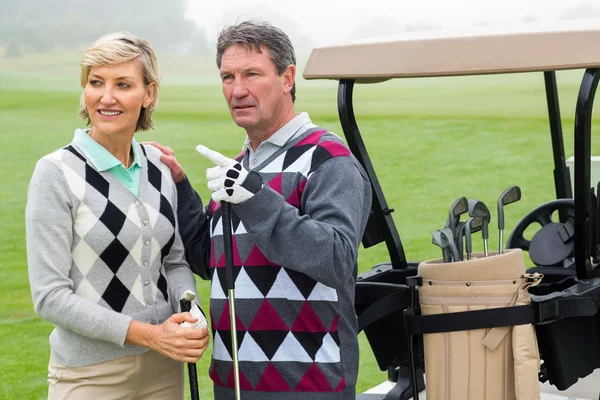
x=478 y=208
x=459 y=207
x=510 y=195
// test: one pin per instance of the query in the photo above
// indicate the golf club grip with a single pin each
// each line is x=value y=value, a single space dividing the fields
x=193 y=375
x=227 y=243
x=186 y=306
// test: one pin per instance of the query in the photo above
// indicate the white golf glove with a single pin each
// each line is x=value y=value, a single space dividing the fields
x=195 y=311
x=229 y=181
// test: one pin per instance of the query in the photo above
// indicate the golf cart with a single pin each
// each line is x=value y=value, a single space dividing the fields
x=565 y=307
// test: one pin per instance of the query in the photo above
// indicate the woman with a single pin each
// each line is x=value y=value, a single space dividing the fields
x=106 y=263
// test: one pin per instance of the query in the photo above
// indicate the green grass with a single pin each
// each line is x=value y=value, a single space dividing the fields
x=430 y=141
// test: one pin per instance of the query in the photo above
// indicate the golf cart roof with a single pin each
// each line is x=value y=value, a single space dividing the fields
x=480 y=50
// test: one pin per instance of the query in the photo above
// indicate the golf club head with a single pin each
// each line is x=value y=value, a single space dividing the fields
x=472 y=225
x=510 y=195
x=478 y=208
x=442 y=242
x=459 y=207
x=446 y=234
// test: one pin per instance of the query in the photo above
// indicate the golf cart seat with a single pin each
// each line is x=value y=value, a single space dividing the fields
x=567 y=305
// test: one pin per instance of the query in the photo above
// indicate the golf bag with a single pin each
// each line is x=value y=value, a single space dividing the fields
x=500 y=363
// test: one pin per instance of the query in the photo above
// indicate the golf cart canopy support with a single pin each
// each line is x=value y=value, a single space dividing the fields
x=484 y=50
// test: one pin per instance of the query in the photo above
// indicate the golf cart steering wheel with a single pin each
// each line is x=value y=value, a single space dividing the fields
x=552 y=244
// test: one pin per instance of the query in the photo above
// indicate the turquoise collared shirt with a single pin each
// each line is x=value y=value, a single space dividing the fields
x=103 y=160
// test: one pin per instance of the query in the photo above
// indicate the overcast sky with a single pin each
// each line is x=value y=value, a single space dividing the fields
x=326 y=21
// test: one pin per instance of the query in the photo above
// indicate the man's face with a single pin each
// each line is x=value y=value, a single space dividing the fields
x=257 y=97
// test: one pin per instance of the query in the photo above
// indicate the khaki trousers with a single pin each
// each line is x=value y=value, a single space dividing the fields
x=148 y=376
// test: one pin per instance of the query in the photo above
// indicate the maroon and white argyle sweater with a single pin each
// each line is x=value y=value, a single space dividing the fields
x=294 y=249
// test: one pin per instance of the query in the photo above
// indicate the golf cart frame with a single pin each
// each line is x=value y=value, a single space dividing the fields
x=567 y=319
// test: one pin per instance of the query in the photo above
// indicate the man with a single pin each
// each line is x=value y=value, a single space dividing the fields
x=300 y=202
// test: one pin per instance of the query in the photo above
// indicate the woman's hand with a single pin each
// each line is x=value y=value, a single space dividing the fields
x=170 y=339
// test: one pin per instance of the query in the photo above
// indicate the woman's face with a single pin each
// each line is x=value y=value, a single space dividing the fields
x=114 y=97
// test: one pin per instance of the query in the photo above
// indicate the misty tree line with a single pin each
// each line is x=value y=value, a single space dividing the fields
x=46 y=25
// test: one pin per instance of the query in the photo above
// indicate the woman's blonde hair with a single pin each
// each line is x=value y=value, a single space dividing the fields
x=116 y=48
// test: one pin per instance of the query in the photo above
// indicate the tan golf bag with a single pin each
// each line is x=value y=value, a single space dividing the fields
x=481 y=364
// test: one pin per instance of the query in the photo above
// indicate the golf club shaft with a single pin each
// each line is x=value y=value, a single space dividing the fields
x=234 y=349
x=485 y=248
x=501 y=240
x=230 y=281
x=186 y=306
x=446 y=255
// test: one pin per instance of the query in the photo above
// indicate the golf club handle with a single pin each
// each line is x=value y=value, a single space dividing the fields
x=234 y=349
x=227 y=243
x=193 y=376
x=186 y=306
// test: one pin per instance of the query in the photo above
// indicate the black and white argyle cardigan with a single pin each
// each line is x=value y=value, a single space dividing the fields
x=99 y=256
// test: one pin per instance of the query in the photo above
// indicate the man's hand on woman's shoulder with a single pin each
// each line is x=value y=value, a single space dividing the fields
x=168 y=158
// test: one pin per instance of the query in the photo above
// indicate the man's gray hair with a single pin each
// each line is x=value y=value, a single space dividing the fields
x=253 y=35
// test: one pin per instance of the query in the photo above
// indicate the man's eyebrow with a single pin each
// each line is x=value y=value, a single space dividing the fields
x=252 y=68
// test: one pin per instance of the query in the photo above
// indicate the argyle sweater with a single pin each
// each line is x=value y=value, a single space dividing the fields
x=99 y=256
x=294 y=249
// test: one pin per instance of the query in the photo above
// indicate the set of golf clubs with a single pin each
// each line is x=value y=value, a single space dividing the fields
x=450 y=238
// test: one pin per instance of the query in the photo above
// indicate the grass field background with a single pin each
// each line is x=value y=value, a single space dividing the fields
x=430 y=140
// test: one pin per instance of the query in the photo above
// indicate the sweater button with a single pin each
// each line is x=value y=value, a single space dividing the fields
x=146 y=283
